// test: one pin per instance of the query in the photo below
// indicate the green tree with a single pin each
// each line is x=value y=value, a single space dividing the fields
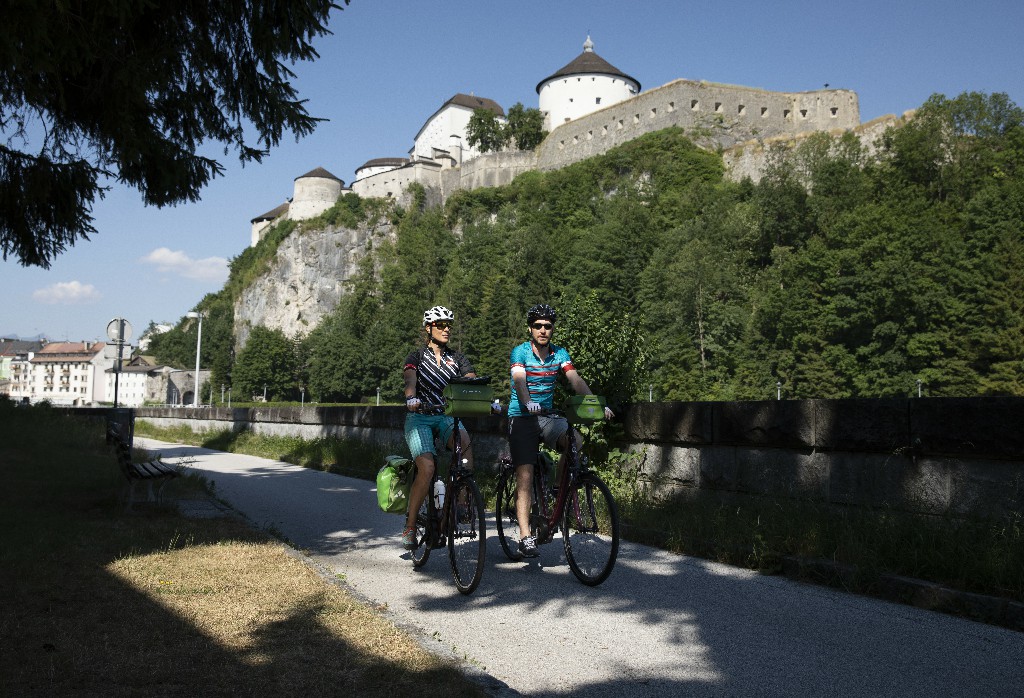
x=525 y=127
x=102 y=89
x=485 y=132
x=267 y=359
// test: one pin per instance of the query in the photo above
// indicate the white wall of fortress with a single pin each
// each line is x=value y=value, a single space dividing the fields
x=728 y=115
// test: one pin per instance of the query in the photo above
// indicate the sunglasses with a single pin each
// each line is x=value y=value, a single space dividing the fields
x=443 y=325
x=542 y=326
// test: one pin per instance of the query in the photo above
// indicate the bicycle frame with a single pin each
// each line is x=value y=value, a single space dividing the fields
x=574 y=466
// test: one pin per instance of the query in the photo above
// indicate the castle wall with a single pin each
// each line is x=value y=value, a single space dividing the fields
x=749 y=159
x=391 y=184
x=716 y=115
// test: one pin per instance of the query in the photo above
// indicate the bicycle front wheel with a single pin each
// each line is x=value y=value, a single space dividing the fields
x=467 y=535
x=505 y=519
x=590 y=531
x=425 y=528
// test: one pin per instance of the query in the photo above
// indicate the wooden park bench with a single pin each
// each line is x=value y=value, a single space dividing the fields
x=151 y=472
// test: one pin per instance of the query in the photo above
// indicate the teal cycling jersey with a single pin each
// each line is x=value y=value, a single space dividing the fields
x=540 y=375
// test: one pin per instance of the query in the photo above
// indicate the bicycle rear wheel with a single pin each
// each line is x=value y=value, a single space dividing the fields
x=505 y=518
x=467 y=535
x=590 y=531
x=425 y=531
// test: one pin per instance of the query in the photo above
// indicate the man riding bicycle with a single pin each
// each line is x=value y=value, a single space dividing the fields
x=535 y=365
x=427 y=371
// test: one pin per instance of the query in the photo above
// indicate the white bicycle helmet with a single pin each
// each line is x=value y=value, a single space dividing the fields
x=437 y=313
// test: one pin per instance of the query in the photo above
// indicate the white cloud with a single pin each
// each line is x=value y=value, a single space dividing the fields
x=67 y=293
x=177 y=262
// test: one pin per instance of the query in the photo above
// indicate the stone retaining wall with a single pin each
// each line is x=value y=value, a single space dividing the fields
x=941 y=456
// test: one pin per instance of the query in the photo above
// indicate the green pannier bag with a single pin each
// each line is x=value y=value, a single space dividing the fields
x=467 y=399
x=583 y=409
x=393 y=482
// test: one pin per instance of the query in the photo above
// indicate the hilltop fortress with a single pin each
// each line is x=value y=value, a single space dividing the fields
x=589 y=106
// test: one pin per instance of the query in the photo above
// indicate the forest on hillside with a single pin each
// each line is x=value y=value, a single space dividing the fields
x=844 y=272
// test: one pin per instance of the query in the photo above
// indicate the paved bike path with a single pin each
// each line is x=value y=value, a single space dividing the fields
x=662 y=624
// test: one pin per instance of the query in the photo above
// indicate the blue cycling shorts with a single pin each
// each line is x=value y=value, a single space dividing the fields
x=420 y=430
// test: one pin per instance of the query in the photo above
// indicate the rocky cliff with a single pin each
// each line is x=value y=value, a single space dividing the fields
x=306 y=279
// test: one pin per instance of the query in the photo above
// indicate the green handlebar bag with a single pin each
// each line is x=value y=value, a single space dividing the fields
x=467 y=399
x=584 y=409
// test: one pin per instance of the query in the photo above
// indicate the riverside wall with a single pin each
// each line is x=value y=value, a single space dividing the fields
x=960 y=457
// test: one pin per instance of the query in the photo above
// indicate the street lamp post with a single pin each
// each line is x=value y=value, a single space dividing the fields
x=199 y=343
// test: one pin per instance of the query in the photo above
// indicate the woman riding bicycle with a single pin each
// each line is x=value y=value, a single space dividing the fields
x=427 y=371
x=535 y=366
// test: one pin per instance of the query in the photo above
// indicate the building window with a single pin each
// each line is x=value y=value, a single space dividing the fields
x=597 y=100
x=764 y=111
x=835 y=112
x=575 y=140
x=604 y=130
x=741 y=110
x=636 y=118
x=694 y=105
x=803 y=113
x=718 y=107
x=671 y=106
x=590 y=134
x=570 y=99
x=619 y=125
x=654 y=112
x=785 y=113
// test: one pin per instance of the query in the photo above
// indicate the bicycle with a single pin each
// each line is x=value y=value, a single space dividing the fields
x=581 y=505
x=459 y=521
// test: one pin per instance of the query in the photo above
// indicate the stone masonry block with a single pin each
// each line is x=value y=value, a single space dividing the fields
x=663 y=463
x=781 y=473
x=772 y=423
x=972 y=427
x=669 y=422
x=861 y=425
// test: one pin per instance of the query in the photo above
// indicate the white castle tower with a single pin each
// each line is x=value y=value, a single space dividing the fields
x=314 y=193
x=585 y=85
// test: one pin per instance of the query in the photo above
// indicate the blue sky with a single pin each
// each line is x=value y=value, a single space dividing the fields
x=391 y=63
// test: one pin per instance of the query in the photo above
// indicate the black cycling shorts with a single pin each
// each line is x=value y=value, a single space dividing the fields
x=525 y=434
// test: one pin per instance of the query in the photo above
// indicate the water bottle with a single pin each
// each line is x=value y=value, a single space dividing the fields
x=438 y=495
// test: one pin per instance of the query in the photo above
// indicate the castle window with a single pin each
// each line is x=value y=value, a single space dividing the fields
x=718 y=107
x=835 y=112
x=604 y=130
x=741 y=110
x=803 y=113
x=619 y=125
x=694 y=104
x=671 y=106
x=764 y=111
x=654 y=112
x=636 y=118
x=785 y=113
x=575 y=140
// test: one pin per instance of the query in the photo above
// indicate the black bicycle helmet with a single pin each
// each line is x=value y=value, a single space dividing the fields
x=541 y=310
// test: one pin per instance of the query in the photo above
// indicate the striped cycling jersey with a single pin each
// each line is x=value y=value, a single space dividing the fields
x=540 y=375
x=431 y=377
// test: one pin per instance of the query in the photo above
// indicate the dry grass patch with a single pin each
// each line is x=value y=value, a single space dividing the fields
x=99 y=602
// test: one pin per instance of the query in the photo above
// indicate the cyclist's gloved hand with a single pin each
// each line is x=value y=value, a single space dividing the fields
x=533 y=407
x=412 y=403
x=608 y=414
